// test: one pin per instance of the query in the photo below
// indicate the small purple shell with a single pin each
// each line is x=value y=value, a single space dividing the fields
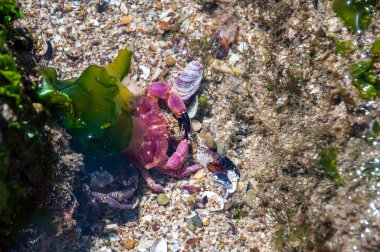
x=189 y=81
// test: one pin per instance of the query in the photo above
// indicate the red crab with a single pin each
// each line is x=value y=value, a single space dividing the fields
x=149 y=143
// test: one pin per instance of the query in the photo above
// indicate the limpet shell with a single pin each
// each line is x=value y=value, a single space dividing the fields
x=189 y=81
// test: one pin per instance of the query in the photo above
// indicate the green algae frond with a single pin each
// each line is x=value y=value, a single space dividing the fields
x=327 y=160
x=364 y=78
x=344 y=47
x=356 y=14
x=95 y=106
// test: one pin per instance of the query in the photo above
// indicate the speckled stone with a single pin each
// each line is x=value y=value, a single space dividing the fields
x=162 y=199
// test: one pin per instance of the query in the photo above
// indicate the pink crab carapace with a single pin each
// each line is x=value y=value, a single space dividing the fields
x=149 y=144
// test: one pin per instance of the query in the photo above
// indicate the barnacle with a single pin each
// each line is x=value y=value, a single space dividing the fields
x=95 y=106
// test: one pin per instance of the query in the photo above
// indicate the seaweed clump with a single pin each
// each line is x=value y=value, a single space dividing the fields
x=327 y=160
x=356 y=14
x=364 y=76
x=95 y=106
x=25 y=169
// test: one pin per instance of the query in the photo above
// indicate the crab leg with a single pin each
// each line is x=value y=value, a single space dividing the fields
x=175 y=103
x=150 y=181
x=185 y=172
x=107 y=199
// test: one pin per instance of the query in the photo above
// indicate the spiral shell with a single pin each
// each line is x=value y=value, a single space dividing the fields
x=189 y=81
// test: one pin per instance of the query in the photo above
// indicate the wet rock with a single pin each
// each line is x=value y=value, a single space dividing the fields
x=196 y=125
x=251 y=198
x=170 y=61
x=130 y=244
x=162 y=199
x=210 y=142
x=197 y=221
x=191 y=226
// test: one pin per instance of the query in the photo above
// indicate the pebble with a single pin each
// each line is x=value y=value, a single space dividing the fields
x=199 y=174
x=196 y=125
x=250 y=198
x=158 y=6
x=130 y=244
x=210 y=142
x=163 y=25
x=170 y=61
x=126 y=20
x=162 y=199
x=110 y=228
x=206 y=223
x=191 y=227
x=197 y=221
x=221 y=148
x=243 y=238
x=68 y=7
x=123 y=8
x=113 y=237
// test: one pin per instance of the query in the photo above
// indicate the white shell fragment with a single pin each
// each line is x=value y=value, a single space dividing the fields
x=189 y=80
x=159 y=246
x=214 y=201
x=192 y=109
x=234 y=181
x=145 y=72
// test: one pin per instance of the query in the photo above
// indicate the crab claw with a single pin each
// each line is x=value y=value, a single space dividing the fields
x=184 y=124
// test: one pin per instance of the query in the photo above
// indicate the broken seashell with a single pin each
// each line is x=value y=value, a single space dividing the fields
x=214 y=201
x=192 y=109
x=159 y=246
x=189 y=81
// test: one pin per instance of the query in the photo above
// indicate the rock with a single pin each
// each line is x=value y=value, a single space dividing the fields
x=221 y=148
x=147 y=218
x=123 y=9
x=126 y=20
x=199 y=174
x=243 y=238
x=170 y=61
x=113 y=237
x=130 y=244
x=158 y=6
x=164 y=26
x=196 y=125
x=191 y=227
x=68 y=7
x=206 y=223
x=162 y=199
x=197 y=221
x=210 y=142
x=251 y=198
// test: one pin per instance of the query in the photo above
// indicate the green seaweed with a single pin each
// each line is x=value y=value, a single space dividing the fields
x=375 y=50
x=371 y=169
x=344 y=47
x=328 y=160
x=95 y=106
x=9 y=11
x=364 y=78
x=356 y=14
x=9 y=75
